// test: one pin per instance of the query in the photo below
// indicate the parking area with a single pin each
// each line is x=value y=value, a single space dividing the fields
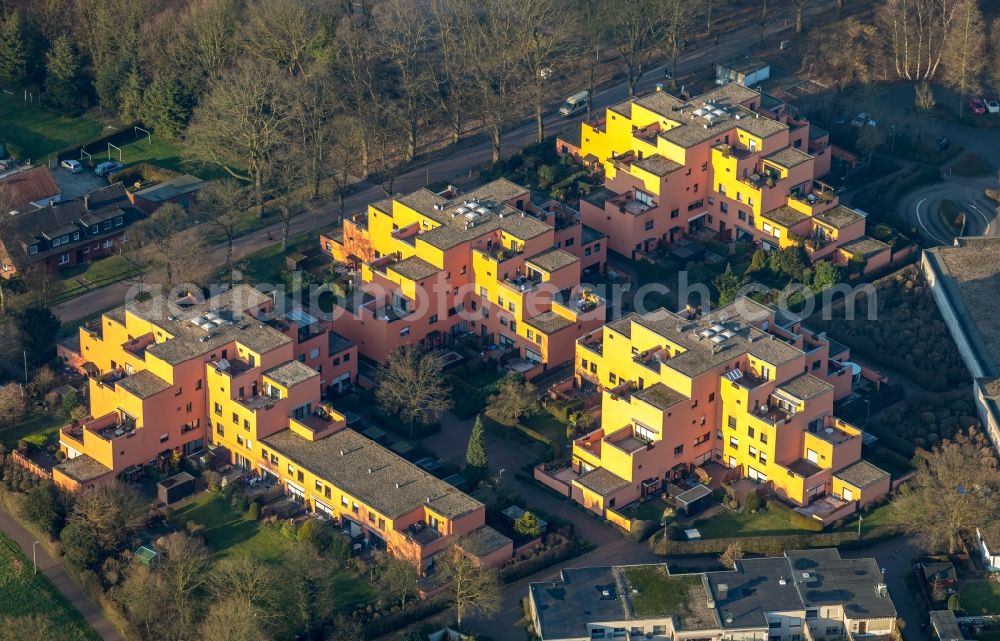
x=76 y=185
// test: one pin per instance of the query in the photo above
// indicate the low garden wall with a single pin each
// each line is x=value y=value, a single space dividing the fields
x=771 y=545
x=541 y=475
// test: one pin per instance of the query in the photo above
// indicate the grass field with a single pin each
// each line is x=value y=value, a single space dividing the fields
x=39 y=132
x=39 y=421
x=980 y=597
x=548 y=425
x=23 y=593
x=164 y=153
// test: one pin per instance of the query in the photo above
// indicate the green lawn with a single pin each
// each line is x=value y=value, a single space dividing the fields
x=171 y=155
x=980 y=597
x=39 y=132
x=266 y=265
x=658 y=592
x=648 y=511
x=39 y=421
x=229 y=533
x=547 y=425
x=23 y=593
x=730 y=523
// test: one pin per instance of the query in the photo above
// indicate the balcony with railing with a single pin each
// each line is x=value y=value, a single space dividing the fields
x=628 y=440
x=773 y=412
x=587 y=448
x=651 y=359
x=137 y=346
x=321 y=422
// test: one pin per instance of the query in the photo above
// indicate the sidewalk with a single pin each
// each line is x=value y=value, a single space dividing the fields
x=54 y=570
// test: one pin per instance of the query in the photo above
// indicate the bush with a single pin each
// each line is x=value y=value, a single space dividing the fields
x=401 y=618
x=240 y=502
x=316 y=534
x=556 y=554
x=253 y=511
x=752 y=503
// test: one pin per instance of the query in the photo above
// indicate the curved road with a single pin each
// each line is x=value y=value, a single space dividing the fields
x=922 y=208
x=459 y=162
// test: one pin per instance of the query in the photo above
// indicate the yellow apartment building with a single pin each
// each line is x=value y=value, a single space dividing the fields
x=488 y=262
x=742 y=392
x=171 y=378
x=733 y=163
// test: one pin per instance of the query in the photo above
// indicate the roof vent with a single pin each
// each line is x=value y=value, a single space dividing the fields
x=782 y=581
x=805 y=576
x=729 y=618
x=605 y=592
x=370 y=470
x=397 y=485
x=342 y=452
x=723 y=590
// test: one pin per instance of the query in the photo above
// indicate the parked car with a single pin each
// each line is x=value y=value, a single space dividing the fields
x=863 y=119
x=108 y=167
x=976 y=106
x=72 y=166
x=942 y=143
x=993 y=105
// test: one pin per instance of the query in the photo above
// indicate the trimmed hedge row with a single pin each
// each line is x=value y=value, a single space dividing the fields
x=552 y=556
x=395 y=621
x=765 y=545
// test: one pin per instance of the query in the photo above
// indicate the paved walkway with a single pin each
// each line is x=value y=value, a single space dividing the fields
x=56 y=572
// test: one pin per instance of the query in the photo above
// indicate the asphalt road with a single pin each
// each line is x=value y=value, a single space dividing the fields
x=458 y=165
x=921 y=207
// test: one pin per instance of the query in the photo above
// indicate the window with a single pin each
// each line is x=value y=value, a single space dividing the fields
x=314 y=352
x=832 y=631
x=570 y=241
x=119 y=221
x=187 y=408
x=218 y=409
x=381 y=524
x=503 y=321
x=239 y=439
x=773 y=624
x=94 y=229
x=433 y=319
x=812 y=614
x=750 y=432
x=510 y=306
x=711 y=397
x=76 y=235
x=732 y=422
x=164 y=438
x=246 y=424
x=347 y=357
x=219 y=430
x=649 y=225
x=405 y=331
x=763 y=457
x=513 y=325
x=371 y=517
x=197 y=384
x=291 y=469
x=724 y=207
x=531 y=337
x=597 y=247
x=678 y=450
x=500 y=301
x=763 y=437
x=538 y=340
x=721 y=189
x=753 y=451
x=701 y=439
x=612 y=377
x=33 y=249
x=674 y=213
x=734 y=442
x=767 y=227
x=343 y=500
x=63 y=259
x=109 y=243
x=643 y=197
x=300 y=476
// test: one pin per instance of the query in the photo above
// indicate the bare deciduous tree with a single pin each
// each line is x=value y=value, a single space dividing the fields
x=632 y=27
x=314 y=105
x=162 y=232
x=450 y=73
x=474 y=589
x=290 y=33
x=241 y=122
x=679 y=17
x=404 y=36
x=545 y=27
x=964 y=56
x=411 y=385
x=223 y=203
x=953 y=490
x=916 y=32
x=731 y=555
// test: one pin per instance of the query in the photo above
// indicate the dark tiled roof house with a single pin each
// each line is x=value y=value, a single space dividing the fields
x=66 y=233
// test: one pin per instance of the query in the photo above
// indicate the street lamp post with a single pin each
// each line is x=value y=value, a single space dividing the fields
x=500 y=476
x=860 y=519
x=34 y=555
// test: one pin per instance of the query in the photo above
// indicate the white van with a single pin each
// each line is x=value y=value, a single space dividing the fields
x=575 y=104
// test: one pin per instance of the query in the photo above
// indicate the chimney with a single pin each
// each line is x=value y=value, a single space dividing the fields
x=723 y=590
x=86 y=202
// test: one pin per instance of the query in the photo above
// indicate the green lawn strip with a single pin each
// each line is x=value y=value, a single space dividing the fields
x=658 y=592
x=266 y=265
x=39 y=422
x=730 y=523
x=39 y=132
x=643 y=512
x=980 y=597
x=23 y=593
